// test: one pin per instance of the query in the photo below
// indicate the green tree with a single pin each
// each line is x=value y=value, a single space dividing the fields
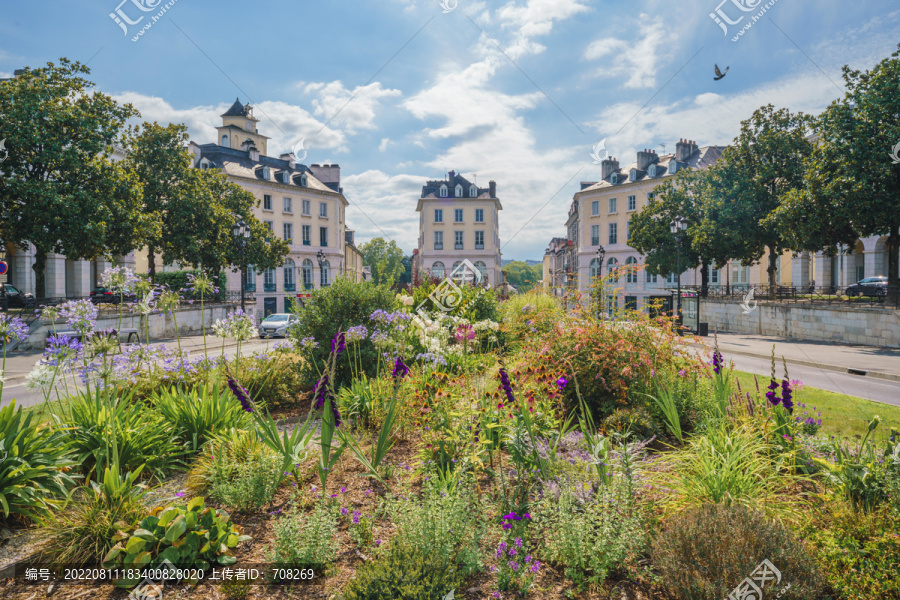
x=851 y=186
x=649 y=232
x=749 y=183
x=385 y=259
x=522 y=275
x=60 y=191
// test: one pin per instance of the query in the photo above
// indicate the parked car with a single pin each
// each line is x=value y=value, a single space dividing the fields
x=103 y=295
x=16 y=298
x=276 y=325
x=870 y=286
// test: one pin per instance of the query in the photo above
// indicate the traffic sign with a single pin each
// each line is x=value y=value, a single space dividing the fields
x=3 y=268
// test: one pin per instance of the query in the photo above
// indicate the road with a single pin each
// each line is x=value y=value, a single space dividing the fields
x=878 y=390
x=15 y=386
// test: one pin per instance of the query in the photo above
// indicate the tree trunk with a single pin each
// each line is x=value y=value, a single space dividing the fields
x=704 y=278
x=893 y=246
x=151 y=262
x=40 y=273
x=773 y=260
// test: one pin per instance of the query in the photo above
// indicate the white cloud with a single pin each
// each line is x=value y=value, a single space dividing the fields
x=636 y=60
x=385 y=142
x=389 y=201
x=353 y=110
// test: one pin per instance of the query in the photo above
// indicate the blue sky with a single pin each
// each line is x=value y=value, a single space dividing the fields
x=515 y=91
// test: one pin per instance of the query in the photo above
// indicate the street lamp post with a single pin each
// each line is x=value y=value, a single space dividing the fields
x=678 y=226
x=241 y=233
x=601 y=254
x=3 y=305
x=320 y=257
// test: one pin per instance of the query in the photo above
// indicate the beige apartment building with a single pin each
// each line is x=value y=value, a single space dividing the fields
x=459 y=221
x=304 y=205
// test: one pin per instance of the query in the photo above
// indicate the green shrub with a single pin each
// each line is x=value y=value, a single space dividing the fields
x=220 y=458
x=198 y=414
x=34 y=465
x=81 y=531
x=191 y=536
x=443 y=524
x=858 y=552
x=591 y=535
x=635 y=423
x=252 y=486
x=143 y=436
x=178 y=281
x=305 y=541
x=341 y=305
x=527 y=315
x=405 y=572
x=704 y=554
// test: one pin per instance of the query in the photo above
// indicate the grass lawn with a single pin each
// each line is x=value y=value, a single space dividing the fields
x=843 y=416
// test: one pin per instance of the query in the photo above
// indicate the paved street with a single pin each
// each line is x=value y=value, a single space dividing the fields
x=819 y=364
x=18 y=365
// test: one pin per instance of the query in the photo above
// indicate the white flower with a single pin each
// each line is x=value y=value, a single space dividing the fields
x=41 y=377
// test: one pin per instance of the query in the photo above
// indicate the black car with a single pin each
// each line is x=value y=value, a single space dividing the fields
x=102 y=295
x=870 y=286
x=16 y=298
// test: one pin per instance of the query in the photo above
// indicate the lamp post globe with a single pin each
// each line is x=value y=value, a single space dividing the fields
x=241 y=231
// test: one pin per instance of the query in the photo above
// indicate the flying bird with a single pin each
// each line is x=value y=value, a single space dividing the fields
x=720 y=74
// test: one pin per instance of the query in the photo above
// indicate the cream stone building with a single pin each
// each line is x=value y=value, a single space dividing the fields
x=303 y=205
x=458 y=221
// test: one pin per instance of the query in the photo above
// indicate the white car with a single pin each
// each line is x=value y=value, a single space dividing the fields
x=276 y=325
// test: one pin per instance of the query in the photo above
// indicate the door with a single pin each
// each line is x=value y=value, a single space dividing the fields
x=270 y=306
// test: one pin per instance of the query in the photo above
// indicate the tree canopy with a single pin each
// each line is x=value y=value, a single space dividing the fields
x=385 y=259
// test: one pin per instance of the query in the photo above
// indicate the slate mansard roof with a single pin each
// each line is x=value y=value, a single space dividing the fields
x=432 y=189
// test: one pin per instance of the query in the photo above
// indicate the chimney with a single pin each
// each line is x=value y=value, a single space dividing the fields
x=493 y=187
x=452 y=175
x=348 y=236
x=645 y=158
x=609 y=166
x=289 y=158
x=684 y=149
x=330 y=175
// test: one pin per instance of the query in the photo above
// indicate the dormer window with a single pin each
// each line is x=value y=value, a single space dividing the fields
x=673 y=167
x=286 y=177
x=459 y=191
x=652 y=171
x=303 y=180
x=225 y=140
x=632 y=175
x=443 y=191
x=267 y=175
x=614 y=178
x=473 y=192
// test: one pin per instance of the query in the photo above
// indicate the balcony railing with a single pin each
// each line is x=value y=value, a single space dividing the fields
x=250 y=287
x=784 y=292
x=309 y=286
x=269 y=287
x=290 y=287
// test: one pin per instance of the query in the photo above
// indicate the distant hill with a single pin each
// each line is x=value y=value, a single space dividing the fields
x=527 y=262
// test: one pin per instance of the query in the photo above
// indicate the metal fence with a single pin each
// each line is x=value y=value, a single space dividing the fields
x=787 y=293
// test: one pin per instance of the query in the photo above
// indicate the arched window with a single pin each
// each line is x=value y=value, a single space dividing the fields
x=443 y=191
x=289 y=281
x=437 y=270
x=473 y=192
x=225 y=141
x=266 y=174
x=308 y=281
x=303 y=180
x=482 y=268
x=631 y=274
x=632 y=175
x=459 y=191
x=455 y=266
x=611 y=266
x=286 y=177
x=325 y=275
x=595 y=268
x=269 y=280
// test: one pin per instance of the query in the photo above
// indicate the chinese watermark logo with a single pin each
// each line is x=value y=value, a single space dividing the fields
x=895 y=154
x=723 y=20
x=3 y=150
x=751 y=587
x=298 y=152
x=449 y=5
x=448 y=296
x=123 y=20
x=599 y=153
x=152 y=589
x=749 y=304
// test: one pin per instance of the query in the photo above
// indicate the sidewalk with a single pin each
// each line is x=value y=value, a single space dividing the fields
x=871 y=361
x=19 y=364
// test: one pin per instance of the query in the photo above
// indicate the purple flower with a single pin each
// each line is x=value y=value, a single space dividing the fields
x=12 y=329
x=400 y=369
x=339 y=343
x=321 y=391
x=241 y=394
x=344 y=511
x=378 y=542
x=507 y=386
x=717 y=362
x=561 y=383
x=179 y=494
x=356 y=515
x=786 y=396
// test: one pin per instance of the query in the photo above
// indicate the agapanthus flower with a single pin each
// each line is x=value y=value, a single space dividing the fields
x=12 y=329
x=61 y=348
x=309 y=343
x=400 y=369
x=357 y=333
x=241 y=394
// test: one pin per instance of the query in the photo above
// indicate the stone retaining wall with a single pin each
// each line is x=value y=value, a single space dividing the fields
x=868 y=326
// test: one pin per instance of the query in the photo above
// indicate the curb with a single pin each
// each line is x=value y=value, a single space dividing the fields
x=824 y=366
